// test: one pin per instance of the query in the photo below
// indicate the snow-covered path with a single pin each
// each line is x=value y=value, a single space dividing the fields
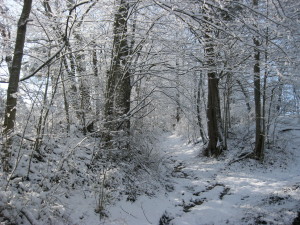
x=217 y=192
x=188 y=178
x=196 y=189
x=211 y=191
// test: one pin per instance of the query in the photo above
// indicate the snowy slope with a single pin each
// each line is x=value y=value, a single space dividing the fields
x=186 y=188
x=220 y=191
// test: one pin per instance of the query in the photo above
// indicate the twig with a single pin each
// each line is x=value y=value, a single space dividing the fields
x=145 y=214
x=26 y=138
x=289 y=129
x=128 y=213
x=69 y=154
x=28 y=217
x=44 y=64
x=248 y=155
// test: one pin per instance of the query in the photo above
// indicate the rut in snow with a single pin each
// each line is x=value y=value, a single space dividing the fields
x=225 y=190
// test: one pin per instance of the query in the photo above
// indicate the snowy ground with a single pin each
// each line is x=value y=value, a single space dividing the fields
x=210 y=191
x=194 y=190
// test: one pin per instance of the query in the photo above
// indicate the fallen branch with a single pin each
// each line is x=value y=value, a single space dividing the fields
x=128 y=213
x=145 y=214
x=243 y=156
x=29 y=217
x=289 y=129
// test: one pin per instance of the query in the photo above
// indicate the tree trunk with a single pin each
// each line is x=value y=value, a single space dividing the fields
x=66 y=103
x=199 y=117
x=97 y=80
x=118 y=89
x=71 y=84
x=226 y=114
x=85 y=102
x=178 y=107
x=245 y=93
x=11 y=102
x=279 y=101
x=214 y=124
x=74 y=62
x=259 y=136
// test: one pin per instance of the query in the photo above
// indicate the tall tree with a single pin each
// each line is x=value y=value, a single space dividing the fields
x=13 y=85
x=214 y=123
x=118 y=88
x=259 y=136
x=200 y=95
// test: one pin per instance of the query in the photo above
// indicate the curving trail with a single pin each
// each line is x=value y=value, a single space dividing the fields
x=201 y=191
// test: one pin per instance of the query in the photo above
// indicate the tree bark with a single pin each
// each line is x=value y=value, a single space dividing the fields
x=226 y=114
x=246 y=95
x=118 y=88
x=13 y=85
x=85 y=102
x=74 y=63
x=199 y=117
x=178 y=107
x=259 y=136
x=280 y=91
x=96 y=79
x=214 y=123
x=11 y=103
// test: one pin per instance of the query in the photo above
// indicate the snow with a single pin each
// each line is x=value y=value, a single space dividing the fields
x=193 y=190
x=254 y=193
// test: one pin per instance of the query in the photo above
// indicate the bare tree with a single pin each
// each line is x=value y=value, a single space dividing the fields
x=214 y=123
x=259 y=136
x=118 y=89
x=13 y=85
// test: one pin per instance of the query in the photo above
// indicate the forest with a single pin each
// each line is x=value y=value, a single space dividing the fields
x=167 y=112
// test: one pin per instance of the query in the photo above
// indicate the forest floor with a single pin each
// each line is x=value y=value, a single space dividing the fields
x=221 y=191
x=182 y=188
